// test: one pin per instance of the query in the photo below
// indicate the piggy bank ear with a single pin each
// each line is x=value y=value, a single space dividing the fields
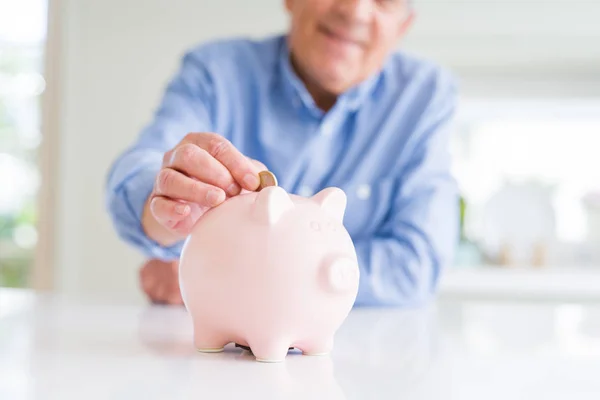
x=271 y=203
x=333 y=201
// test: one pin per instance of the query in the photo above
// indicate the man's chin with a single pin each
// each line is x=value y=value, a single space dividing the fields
x=335 y=79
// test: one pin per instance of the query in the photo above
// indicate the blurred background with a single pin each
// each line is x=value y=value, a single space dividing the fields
x=78 y=80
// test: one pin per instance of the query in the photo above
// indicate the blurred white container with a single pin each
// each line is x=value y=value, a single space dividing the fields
x=591 y=204
x=520 y=225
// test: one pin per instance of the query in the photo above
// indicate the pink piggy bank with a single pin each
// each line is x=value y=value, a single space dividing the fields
x=270 y=271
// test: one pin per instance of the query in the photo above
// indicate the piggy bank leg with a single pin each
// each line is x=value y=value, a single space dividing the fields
x=269 y=350
x=209 y=340
x=317 y=347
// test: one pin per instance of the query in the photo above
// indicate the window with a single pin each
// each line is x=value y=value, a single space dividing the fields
x=529 y=173
x=22 y=41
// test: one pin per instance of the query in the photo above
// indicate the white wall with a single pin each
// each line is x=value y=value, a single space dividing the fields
x=118 y=55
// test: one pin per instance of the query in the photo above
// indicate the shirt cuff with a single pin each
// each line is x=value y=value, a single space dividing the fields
x=126 y=206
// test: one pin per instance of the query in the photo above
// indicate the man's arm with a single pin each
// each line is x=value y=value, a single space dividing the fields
x=185 y=107
x=402 y=263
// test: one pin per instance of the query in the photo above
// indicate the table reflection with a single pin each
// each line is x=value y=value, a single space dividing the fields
x=234 y=372
x=449 y=350
x=391 y=349
x=394 y=350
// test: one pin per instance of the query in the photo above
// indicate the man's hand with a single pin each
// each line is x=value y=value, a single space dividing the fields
x=198 y=174
x=159 y=280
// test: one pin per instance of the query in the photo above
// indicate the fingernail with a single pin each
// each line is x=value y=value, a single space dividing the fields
x=251 y=181
x=182 y=209
x=215 y=197
x=233 y=189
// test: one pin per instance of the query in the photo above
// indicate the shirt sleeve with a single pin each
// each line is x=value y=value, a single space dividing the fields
x=401 y=264
x=186 y=106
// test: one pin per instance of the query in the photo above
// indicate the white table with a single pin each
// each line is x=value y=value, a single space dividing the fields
x=59 y=348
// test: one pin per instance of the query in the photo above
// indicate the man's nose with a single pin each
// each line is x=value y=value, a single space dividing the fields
x=356 y=10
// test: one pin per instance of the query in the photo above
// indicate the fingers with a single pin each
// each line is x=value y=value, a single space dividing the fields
x=239 y=166
x=175 y=185
x=166 y=212
x=147 y=281
x=159 y=281
x=174 y=296
x=169 y=212
x=150 y=281
x=196 y=162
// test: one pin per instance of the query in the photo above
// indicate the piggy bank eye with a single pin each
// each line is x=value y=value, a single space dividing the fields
x=315 y=226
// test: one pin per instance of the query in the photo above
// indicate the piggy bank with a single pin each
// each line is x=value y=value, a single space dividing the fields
x=270 y=271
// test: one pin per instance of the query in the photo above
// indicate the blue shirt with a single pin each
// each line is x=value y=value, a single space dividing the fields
x=385 y=143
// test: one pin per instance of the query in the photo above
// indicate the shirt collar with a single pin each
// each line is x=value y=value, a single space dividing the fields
x=353 y=98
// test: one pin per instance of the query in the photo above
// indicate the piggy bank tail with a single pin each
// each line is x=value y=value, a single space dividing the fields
x=342 y=275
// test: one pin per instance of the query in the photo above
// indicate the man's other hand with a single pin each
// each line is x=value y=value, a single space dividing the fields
x=159 y=280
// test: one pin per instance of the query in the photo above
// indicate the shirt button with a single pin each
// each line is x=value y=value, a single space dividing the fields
x=363 y=192
x=327 y=129
x=305 y=191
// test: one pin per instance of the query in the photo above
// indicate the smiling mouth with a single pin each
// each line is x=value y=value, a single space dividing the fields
x=335 y=36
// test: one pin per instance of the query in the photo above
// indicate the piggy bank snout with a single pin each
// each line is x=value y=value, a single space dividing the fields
x=342 y=275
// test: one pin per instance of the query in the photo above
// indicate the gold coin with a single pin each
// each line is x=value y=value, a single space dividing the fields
x=266 y=179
